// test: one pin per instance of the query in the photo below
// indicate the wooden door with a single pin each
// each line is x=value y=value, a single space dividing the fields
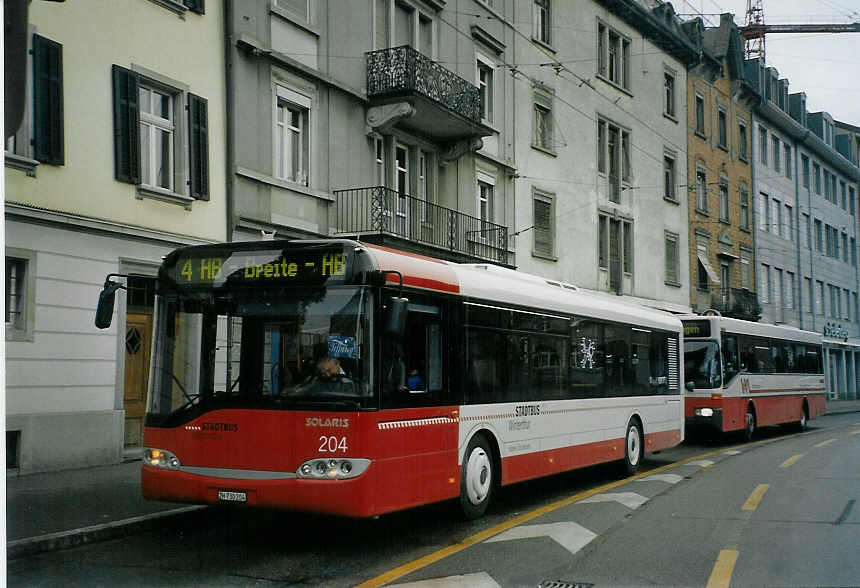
x=138 y=339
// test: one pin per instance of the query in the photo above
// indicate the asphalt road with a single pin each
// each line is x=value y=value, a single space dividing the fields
x=779 y=511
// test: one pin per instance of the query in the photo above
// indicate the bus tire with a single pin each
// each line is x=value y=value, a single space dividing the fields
x=476 y=477
x=634 y=447
x=749 y=427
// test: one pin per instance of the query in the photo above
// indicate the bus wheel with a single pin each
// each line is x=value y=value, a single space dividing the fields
x=476 y=478
x=750 y=424
x=633 y=447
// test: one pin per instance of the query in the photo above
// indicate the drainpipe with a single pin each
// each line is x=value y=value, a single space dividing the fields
x=229 y=136
x=799 y=266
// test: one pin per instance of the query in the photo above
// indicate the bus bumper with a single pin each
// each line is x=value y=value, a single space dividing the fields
x=352 y=497
x=705 y=418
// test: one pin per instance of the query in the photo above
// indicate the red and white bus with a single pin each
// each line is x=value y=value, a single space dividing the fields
x=741 y=375
x=339 y=377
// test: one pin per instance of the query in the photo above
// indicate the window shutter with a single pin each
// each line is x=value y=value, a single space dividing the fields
x=198 y=133
x=48 y=101
x=542 y=227
x=126 y=125
x=195 y=6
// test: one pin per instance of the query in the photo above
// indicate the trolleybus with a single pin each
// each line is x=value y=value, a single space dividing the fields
x=339 y=377
x=741 y=375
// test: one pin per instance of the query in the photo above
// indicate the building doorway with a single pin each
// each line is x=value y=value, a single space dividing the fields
x=140 y=301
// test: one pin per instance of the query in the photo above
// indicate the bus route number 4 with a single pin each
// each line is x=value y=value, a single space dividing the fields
x=332 y=444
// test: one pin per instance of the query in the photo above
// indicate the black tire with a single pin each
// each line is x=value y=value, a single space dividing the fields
x=476 y=478
x=750 y=424
x=634 y=447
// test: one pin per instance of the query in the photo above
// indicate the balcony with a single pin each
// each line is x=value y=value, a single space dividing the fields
x=733 y=302
x=384 y=216
x=435 y=102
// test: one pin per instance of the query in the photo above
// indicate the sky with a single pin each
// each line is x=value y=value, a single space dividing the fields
x=824 y=65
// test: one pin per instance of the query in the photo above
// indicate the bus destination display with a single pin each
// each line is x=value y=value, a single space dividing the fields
x=208 y=268
x=697 y=328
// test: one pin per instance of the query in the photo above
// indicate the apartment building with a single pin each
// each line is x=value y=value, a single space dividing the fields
x=806 y=226
x=601 y=145
x=119 y=159
x=719 y=119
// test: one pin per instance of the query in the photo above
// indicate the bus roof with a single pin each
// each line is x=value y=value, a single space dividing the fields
x=742 y=327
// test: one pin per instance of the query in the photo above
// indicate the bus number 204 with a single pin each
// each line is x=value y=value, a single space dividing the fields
x=332 y=444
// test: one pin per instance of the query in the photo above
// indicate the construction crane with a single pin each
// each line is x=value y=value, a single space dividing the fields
x=754 y=29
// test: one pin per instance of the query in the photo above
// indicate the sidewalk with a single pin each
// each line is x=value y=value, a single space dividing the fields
x=56 y=510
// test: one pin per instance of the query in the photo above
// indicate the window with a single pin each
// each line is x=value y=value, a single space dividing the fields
x=379 y=161
x=485 y=88
x=745 y=207
x=412 y=26
x=486 y=207
x=724 y=200
x=542 y=21
x=20 y=299
x=810 y=295
x=672 y=260
x=827 y=195
x=613 y=61
x=669 y=177
x=788 y=219
x=613 y=156
x=701 y=190
x=742 y=141
x=764 y=289
x=704 y=272
x=843 y=192
x=788 y=162
x=544 y=225
x=851 y=200
x=150 y=148
x=669 y=94
x=789 y=290
x=298 y=8
x=816 y=177
x=776 y=217
x=776 y=153
x=763 y=212
x=845 y=247
x=700 y=115
x=804 y=231
x=846 y=304
x=762 y=144
x=746 y=269
x=543 y=123
x=819 y=300
x=48 y=101
x=819 y=245
x=777 y=294
x=804 y=164
x=853 y=251
x=291 y=136
x=615 y=248
x=722 y=130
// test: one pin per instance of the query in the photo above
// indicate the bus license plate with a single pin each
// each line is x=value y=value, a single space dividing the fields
x=232 y=496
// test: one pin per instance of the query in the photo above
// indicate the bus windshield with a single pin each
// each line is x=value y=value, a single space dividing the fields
x=260 y=348
x=702 y=364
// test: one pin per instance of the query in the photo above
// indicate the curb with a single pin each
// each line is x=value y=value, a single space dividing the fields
x=66 y=539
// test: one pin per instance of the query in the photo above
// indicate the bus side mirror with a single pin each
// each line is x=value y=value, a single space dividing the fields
x=690 y=386
x=104 y=310
x=395 y=321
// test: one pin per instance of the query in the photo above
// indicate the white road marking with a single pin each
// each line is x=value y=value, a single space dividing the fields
x=704 y=463
x=628 y=499
x=478 y=580
x=569 y=535
x=733 y=452
x=668 y=478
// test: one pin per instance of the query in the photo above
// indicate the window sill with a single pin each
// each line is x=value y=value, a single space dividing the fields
x=702 y=212
x=743 y=159
x=544 y=150
x=671 y=117
x=21 y=163
x=723 y=147
x=546 y=256
x=725 y=221
x=543 y=44
x=163 y=196
x=618 y=87
x=745 y=230
x=173 y=6
x=279 y=183
x=700 y=134
x=672 y=283
x=20 y=335
x=674 y=201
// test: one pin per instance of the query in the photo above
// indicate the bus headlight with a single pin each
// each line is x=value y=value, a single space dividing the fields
x=160 y=458
x=705 y=412
x=333 y=468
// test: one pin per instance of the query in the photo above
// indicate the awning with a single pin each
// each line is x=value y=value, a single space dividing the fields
x=712 y=275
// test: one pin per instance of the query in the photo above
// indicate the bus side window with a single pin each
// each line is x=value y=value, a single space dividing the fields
x=730 y=356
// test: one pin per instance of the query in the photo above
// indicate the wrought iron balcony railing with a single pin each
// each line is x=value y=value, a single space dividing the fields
x=382 y=211
x=401 y=70
x=735 y=302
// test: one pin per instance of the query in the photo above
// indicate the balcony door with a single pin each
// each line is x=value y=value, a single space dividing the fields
x=401 y=187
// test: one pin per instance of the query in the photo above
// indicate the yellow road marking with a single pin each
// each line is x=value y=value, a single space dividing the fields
x=721 y=575
x=755 y=497
x=791 y=460
x=824 y=443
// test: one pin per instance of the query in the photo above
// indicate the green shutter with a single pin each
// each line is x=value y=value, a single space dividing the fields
x=48 y=101
x=195 y=6
x=198 y=142
x=126 y=125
